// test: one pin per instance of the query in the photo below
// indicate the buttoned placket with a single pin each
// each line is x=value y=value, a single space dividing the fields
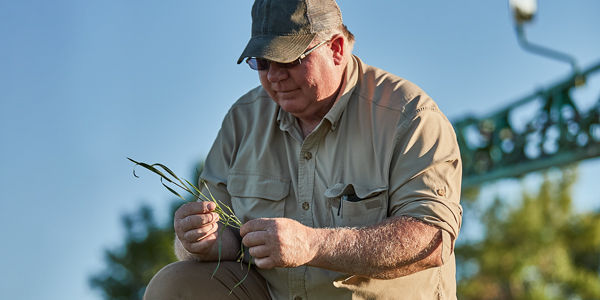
x=306 y=181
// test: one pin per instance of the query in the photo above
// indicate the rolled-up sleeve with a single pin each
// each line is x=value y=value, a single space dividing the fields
x=426 y=171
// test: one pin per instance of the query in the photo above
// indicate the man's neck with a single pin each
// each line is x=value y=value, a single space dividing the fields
x=308 y=125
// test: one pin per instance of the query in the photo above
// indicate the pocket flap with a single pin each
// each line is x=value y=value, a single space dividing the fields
x=362 y=192
x=257 y=186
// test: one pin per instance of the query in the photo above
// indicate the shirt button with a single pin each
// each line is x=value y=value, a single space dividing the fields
x=441 y=192
x=307 y=155
x=305 y=205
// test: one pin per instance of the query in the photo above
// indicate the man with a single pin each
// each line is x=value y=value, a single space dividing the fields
x=347 y=178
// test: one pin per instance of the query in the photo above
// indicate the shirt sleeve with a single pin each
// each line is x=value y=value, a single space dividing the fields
x=216 y=167
x=426 y=171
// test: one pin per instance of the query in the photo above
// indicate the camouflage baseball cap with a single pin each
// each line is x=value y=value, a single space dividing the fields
x=283 y=29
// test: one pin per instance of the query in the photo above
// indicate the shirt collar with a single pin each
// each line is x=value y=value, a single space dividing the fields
x=284 y=119
x=348 y=85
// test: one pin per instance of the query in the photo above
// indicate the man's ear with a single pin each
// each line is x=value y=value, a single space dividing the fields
x=338 y=46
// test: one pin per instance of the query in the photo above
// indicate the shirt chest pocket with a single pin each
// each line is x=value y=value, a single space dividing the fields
x=257 y=196
x=356 y=206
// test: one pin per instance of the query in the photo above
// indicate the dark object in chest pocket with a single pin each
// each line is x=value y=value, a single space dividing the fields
x=354 y=198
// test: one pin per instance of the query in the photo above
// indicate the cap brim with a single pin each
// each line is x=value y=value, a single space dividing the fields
x=283 y=49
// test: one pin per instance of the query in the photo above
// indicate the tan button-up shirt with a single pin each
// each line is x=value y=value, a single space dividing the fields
x=384 y=149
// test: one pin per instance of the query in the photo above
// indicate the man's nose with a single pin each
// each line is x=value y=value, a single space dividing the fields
x=276 y=72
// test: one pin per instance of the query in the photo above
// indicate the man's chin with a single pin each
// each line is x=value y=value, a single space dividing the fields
x=291 y=107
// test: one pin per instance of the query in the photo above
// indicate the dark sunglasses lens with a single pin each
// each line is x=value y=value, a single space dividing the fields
x=258 y=64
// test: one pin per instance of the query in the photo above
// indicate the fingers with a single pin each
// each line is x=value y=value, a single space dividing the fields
x=196 y=225
x=255 y=238
x=259 y=251
x=193 y=208
x=203 y=245
x=199 y=241
x=193 y=215
x=255 y=225
x=196 y=221
x=197 y=235
x=264 y=263
x=264 y=257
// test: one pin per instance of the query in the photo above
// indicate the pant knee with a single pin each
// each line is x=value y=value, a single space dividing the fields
x=194 y=280
x=178 y=280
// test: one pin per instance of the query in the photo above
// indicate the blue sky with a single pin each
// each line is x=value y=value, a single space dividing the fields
x=84 y=84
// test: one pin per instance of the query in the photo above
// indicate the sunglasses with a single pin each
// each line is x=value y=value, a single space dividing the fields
x=261 y=64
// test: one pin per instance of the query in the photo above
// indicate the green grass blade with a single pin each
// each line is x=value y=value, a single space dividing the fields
x=150 y=168
x=171 y=173
x=172 y=191
x=245 y=276
x=219 y=246
x=226 y=214
x=197 y=191
x=166 y=169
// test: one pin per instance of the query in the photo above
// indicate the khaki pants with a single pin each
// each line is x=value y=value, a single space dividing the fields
x=191 y=280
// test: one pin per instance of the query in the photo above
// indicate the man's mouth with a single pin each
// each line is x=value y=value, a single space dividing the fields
x=286 y=92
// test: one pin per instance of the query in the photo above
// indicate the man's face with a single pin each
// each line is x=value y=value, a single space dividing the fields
x=305 y=90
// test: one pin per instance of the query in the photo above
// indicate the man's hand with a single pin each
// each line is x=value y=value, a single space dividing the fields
x=278 y=242
x=196 y=227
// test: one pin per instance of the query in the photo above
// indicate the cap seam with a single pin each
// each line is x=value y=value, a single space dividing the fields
x=266 y=21
x=308 y=16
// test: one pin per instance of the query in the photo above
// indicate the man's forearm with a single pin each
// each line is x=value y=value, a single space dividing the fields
x=227 y=240
x=398 y=247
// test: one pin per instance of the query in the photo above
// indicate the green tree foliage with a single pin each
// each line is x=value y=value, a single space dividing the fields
x=538 y=248
x=147 y=247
